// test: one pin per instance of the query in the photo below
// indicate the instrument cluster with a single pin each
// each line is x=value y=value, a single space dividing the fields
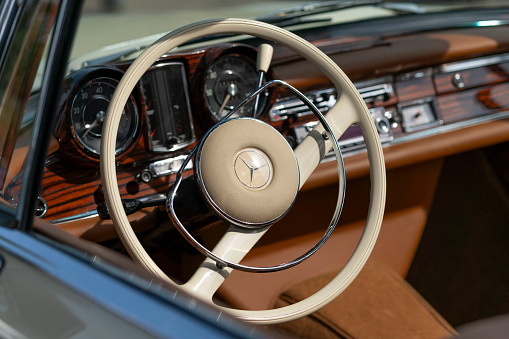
x=160 y=115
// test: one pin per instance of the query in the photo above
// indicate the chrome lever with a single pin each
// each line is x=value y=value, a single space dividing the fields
x=262 y=65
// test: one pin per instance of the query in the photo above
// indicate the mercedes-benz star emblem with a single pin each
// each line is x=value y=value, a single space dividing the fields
x=253 y=169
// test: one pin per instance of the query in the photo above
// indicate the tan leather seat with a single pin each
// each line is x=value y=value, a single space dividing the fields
x=378 y=304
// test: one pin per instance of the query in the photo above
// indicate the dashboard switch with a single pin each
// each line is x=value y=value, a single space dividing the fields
x=458 y=81
x=146 y=176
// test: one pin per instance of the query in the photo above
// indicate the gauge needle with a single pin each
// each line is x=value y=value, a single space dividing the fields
x=98 y=118
x=231 y=92
x=225 y=101
x=90 y=128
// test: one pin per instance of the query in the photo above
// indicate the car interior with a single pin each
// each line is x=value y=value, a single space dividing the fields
x=434 y=89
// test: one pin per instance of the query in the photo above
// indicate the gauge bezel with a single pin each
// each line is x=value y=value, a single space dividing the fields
x=129 y=140
x=203 y=119
x=236 y=55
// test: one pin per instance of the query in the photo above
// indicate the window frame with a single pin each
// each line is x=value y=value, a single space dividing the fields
x=35 y=25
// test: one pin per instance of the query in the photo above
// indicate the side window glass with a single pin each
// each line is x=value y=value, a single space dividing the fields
x=20 y=78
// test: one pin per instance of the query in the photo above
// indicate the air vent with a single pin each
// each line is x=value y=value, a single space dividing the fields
x=381 y=92
x=325 y=99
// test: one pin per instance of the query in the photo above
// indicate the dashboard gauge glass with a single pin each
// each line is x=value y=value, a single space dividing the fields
x=168 y=111
x=228 y=81
x=88 y=112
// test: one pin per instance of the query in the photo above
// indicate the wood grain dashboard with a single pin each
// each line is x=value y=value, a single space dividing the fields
x=442 y=92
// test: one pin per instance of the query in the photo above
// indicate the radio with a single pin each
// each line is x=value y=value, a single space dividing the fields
x=373 y=93
x=352 y=139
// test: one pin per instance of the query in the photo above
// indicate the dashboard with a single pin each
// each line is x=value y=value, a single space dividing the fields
x=438 y=94
x=186 y=93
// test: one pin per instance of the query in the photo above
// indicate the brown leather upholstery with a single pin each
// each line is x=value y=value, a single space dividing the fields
x=378 y=304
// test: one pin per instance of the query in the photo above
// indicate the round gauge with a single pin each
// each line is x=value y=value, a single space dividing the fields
x=88 y=112
x=228 y=81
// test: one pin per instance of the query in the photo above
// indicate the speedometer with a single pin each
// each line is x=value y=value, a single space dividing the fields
x=228 y=81
x=88 y=112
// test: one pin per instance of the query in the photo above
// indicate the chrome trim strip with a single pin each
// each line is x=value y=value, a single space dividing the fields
x=81 y=216
x=422 y=73
x=451 y=127
x=429 y=133
x=473 y=63
x=92 y=214
x=168 y=166
x=373 y=82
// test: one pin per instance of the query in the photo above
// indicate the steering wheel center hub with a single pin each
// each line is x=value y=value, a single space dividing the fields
x=247 y=172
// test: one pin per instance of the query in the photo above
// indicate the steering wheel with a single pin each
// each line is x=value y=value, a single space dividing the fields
x=290 y=170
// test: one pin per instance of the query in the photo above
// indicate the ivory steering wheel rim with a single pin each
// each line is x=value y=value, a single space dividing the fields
x=349 y=109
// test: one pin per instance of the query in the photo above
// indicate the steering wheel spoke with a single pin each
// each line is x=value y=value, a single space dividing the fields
x=233 y=246
x=316 y=144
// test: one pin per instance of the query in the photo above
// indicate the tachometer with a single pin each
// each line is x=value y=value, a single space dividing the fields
x=228 y=81
x=88 y=112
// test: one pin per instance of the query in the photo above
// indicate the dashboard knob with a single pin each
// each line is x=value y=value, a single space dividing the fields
x=382 y=125
x=458 y=80
x=146 y=176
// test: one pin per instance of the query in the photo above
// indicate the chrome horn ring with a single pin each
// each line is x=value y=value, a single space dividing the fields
x=222 y=263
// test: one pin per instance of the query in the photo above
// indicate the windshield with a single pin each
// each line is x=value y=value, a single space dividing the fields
x=125 y=20
x=117 y=26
